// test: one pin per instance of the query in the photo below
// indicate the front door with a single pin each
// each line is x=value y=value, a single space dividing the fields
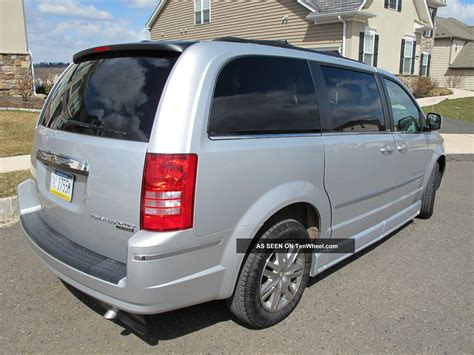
x=412 y=153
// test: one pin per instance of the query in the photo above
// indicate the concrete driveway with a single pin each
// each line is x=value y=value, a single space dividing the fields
x=411 y=293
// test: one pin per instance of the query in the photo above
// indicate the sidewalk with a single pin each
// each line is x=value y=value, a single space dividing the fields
x=458 y=143
x=457 y=94
x=21 y=162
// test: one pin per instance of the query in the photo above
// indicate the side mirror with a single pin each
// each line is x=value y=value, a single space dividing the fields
x=434 y=121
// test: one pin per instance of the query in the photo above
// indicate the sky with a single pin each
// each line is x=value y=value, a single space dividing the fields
x=59 y=28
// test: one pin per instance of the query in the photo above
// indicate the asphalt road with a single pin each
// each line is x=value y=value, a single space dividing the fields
x=412 y=292
x=457 y=126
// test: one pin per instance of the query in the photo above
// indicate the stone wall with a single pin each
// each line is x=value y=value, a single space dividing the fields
x=14 y=68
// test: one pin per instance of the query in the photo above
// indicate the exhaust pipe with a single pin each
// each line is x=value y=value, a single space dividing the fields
x=111 y=313
x=130 y=321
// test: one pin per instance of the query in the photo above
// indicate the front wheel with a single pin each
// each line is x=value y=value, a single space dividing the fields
x=271 y=283
x=429 y=195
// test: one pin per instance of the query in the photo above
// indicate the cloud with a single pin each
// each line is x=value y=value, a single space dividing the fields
x=142 y=3
x=463 y=11
x=73 y=8
x=59 y=41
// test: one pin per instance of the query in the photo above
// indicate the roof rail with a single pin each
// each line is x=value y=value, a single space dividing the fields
x=276 y=43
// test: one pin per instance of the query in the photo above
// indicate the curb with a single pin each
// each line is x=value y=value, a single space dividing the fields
x=19 y=109
x=8 y=207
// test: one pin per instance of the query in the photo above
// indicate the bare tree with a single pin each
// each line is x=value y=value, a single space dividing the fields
x=25 y=87
x=454 y=81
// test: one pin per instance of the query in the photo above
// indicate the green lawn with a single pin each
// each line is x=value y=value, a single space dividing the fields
x=459 y=109
x=8 y=182
x=16 y=132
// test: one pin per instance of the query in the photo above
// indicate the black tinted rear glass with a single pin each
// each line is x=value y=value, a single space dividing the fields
x=113 y=98
x=354 y=101
x=262 y=95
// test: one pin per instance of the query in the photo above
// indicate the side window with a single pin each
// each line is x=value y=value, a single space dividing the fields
x=355 y=103
x=406 y=117
x=263 y=95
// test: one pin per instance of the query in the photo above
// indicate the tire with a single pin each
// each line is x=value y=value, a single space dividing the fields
x=255 y=301
x=429 y=195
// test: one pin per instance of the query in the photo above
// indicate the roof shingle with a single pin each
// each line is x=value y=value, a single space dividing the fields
x=465 y=58
x=450 y=27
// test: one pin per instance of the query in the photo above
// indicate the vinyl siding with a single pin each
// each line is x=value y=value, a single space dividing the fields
x=440 y=60
x=248 y=19
x=468 y=77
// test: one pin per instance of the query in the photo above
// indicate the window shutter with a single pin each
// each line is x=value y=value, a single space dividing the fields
x=402 y=54
x=361 y=46
x=413 y=58
x=386 y=4
x=421 y=64
x=376 y=50
x=399 y=6
x=429 y=63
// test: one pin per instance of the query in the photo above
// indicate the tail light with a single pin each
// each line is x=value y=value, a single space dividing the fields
x=168 y=191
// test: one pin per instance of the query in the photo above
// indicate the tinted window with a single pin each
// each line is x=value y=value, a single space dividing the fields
x=405 y=114
x=354 y=101
x=256 y=95
x=113 y=98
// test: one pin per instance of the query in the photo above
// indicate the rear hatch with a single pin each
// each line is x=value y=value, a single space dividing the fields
x=91 y=142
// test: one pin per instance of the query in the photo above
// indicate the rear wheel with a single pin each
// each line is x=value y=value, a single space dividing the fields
x=429 y=195
x=271 y=284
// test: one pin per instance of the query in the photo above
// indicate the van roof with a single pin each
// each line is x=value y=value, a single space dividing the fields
x=179 y=46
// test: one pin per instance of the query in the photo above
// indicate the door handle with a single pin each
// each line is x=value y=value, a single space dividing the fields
x=387 y=150
x=402 y=148
x=63 y=162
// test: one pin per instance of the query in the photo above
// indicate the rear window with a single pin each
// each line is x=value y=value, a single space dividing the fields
x=111 y=98
x=264 y=95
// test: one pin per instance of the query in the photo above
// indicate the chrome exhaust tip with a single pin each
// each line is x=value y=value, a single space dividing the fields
x=111 y=313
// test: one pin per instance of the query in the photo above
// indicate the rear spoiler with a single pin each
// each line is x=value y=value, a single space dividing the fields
x=146 y=48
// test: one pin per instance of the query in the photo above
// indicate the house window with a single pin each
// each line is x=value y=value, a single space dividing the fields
x=394 y=5
x=369 y=45
x=433 y=11
x=202 y=11
x=408 y=55
x=424 y=64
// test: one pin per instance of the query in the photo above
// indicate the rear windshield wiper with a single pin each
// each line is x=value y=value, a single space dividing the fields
x=94 y=126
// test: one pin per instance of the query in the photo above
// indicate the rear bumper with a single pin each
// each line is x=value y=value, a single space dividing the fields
x=171 y=280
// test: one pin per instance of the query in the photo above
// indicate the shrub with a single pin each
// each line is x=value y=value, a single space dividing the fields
x=409 y=82
x=43 y=88
x=440 y=92
x=424 y=86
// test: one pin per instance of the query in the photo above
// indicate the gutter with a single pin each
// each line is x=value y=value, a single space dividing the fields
x=344 y=25
x=335 y=15
x=32 y=72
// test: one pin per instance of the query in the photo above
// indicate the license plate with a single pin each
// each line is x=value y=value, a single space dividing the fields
x=61 y=185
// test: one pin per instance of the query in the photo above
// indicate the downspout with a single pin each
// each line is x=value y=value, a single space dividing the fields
x=32 y=71
x=343 y=52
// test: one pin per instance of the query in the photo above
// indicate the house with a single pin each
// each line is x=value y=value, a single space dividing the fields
x=15 y=58
x=395 y=35
x=452 y=62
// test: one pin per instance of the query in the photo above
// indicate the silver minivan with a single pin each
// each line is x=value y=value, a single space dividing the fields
x=166 y=174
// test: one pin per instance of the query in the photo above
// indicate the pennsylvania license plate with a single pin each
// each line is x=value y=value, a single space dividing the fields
x=61 y=185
